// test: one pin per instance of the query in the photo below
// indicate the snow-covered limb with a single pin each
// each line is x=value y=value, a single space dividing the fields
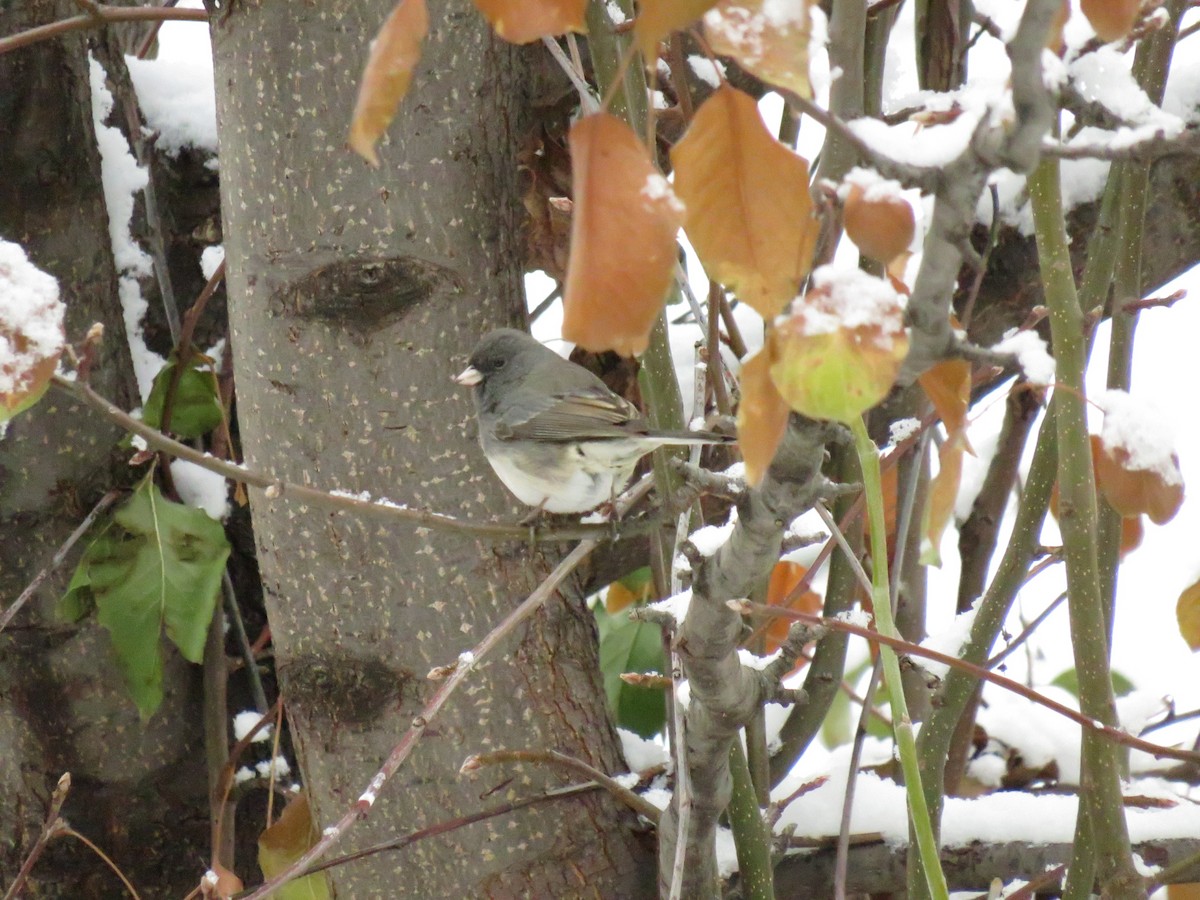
x=880 y=867
x=996 y=143
x=725 y=694
x=1148 y=147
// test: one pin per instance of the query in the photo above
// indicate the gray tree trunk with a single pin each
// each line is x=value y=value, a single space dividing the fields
x=355 y=295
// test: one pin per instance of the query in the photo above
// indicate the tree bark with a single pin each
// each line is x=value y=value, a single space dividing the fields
x=355 y=295
x=137 y=788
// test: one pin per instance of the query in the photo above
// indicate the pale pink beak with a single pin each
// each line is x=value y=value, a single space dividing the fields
x=469 y=377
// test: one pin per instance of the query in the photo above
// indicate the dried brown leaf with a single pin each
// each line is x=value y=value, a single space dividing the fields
x=762 y=417
x=768 y=39
x=658 y=18
x=749 y=212
x=626 y=218
x=522 y=21
x=394 y=54
x=1133 y=492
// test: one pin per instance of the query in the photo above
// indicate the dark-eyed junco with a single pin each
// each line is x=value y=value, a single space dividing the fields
x=557 y=437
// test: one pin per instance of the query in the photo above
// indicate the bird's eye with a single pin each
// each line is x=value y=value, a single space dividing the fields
x=498 y=363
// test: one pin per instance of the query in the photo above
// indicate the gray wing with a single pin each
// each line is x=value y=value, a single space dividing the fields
x=591 y=413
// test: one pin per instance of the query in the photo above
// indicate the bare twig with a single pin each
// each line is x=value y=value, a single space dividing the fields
x=454 y=824
x=453 y=675
x=587 y=100
x=57 y=799
x=59 y=555
x=276 y=489
x=682 y=799
x=97 y=16
x=1026 y=632
x=634 y=801
x=1114 y=734
x=1151 y=148
x=65 y=829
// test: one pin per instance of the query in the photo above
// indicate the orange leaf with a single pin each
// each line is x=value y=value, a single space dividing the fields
x=749 y=212
x=658 y=18
x=622 y=239
x=786 y=577
x=1111 y=19
x=633 y=589
x=394 y=54
x=768 y=39
x=1187 y=611
x=522 y=21
x=761 y=418
x=948 y=387
x=1132 y=492
x=942 y=494
x=1055 y=42
x=1132 y=530
x=31 y=332
x=881 y=224
x=1132 y=533
x=224 y=886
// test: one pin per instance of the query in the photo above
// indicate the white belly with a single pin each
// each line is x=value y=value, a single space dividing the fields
x=565 y=484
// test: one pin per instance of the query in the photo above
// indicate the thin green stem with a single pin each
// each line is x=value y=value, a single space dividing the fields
x=750 y=837
x=1101 y=810
x=918 y=809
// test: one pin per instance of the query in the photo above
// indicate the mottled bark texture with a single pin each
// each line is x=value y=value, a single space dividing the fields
x=137 y=789
x=355 y=295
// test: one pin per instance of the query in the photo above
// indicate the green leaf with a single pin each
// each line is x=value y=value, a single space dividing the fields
x=196 y=409
x=156 y=567
x=1069 y=682
x=291 y=835
x=627 y=645
x=78 y=603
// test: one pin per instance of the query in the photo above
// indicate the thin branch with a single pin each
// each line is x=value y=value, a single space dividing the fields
x=57 y=799
x=587 y=100
x=1113 y=734
x=276 y=489
x=921 y=177
x=842 y=852
x=454 y=675
x=1170 y=873
x=1148 y=149
x=59 y=555
x=99 y=16
x=839 y=536
x=1026 y=632
x=682 y=797
x=238 y=627
x=65 y=829
x=454 y=824
x=634 y=801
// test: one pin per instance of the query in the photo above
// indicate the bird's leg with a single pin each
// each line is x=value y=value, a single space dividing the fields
x=532 y=520
x=610 y=509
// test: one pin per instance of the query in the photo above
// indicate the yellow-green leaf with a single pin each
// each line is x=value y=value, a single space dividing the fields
x=1187 y=612
x=289 y=838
